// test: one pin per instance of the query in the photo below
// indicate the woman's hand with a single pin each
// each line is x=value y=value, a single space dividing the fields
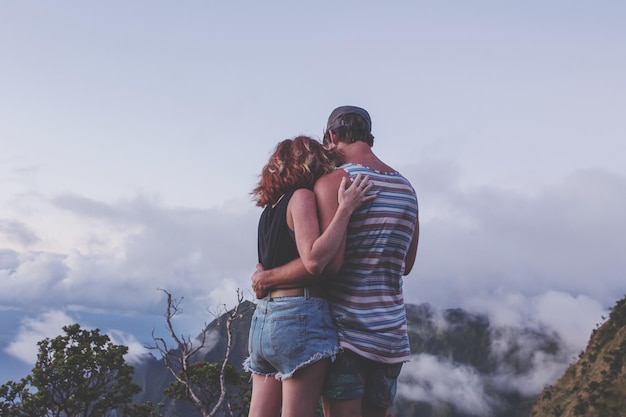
x=352 y=197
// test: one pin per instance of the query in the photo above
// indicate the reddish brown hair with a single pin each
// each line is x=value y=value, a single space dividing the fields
x=295 y=163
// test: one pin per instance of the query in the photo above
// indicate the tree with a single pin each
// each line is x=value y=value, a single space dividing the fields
x=16 y=400
x=81 y=373
x=209 y=387
x=204 y=380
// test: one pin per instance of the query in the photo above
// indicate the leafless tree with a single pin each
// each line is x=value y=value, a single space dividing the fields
x=180 y=360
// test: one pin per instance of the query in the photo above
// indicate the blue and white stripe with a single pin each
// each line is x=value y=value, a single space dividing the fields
x=366 y=296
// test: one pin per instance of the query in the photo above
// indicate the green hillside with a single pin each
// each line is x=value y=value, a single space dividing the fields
x=594 y=386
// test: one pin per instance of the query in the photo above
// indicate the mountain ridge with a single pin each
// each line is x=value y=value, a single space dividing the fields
x=451 y=338
x=595 y=385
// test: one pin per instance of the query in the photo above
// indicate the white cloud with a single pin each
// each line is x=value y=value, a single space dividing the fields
x=137 y=352
x=573 y=318
x=533 y=341
x=520 y=321
x=570 y=317
x=202 y=255
x=32 y=330
x=434 y=381
x=212 y=337
x=544 y=370
x=50 y=325
x=527 y=359
x=30 y=279
x=18 y=232
x=564 y=237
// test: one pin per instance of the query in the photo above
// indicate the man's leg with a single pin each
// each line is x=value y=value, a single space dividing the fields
x=341 y=408
x=266 y=396
x=301 y=392
x=359 y=387
x=351 y=408
x=369 y=411
x=380 y=389
x=344 y=386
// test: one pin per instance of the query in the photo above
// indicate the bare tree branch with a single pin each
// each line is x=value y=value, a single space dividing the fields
x=179 y=361
x=235 y=313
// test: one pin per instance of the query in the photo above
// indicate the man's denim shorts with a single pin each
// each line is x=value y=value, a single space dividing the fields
x=288 y=333
x=352 y=376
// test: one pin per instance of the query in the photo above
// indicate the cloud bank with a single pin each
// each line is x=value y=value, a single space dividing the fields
x=530 y=348
x=204 y=255
x=479 y=241
x=549 y=259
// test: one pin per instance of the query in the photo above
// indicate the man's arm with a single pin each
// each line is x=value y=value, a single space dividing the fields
x=409 y=259
x=290 y=275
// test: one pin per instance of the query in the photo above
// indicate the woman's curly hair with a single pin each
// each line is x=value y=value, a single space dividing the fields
x=295 y=163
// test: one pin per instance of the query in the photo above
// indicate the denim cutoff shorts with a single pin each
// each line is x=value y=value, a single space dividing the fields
x=288 y=333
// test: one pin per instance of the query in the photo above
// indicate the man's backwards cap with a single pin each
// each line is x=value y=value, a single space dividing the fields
x=335 y=119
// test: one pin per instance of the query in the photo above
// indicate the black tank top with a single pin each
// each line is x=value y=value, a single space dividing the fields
x=276 y=241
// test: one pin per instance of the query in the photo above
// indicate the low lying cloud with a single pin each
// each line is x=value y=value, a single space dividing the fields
x=443 y=383
x=202 y=255
x=532 y=343
x=137 y=352
x=428 y=379
x=571 y=317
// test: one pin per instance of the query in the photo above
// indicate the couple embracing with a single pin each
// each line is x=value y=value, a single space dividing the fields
x=338 y=231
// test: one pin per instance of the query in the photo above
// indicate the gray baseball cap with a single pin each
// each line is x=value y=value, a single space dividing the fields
x=335 y=119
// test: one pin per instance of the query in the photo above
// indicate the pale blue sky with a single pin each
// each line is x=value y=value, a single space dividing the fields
x=132 y=132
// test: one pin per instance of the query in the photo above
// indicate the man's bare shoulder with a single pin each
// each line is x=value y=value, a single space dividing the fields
x=302 y=193
x=330 y=181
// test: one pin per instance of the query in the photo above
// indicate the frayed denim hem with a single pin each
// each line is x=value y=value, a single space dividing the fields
x=332 y=354
x=315 y=358
x=247 y=368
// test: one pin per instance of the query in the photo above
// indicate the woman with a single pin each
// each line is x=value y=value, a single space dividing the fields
x=292 y=337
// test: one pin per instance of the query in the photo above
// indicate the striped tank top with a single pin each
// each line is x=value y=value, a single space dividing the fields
x=366 y=295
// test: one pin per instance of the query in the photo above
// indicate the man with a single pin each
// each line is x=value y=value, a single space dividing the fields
x=363 y=283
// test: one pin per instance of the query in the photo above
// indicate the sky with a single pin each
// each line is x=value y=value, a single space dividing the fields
x=131 y=135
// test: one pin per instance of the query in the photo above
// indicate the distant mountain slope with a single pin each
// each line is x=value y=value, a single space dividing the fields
x=462 y=366
x=154 y=377
x=596 y=384
x=484 y=366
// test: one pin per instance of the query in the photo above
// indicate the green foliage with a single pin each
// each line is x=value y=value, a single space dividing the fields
x=16 y=400
x=557 y=410
x=204 y=379
x=595 y=385
x=146 y=409
x=81 y=373
x=617 y=320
